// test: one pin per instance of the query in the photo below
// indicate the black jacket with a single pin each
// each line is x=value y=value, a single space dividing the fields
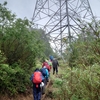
x=55 y=63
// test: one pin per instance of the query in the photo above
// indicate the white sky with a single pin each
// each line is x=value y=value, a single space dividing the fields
x=25 y=8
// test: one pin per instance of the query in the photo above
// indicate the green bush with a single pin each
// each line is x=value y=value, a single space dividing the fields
x=13 y=80
x=79 y=84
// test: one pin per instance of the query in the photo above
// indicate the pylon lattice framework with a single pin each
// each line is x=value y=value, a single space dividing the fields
x=59 y=18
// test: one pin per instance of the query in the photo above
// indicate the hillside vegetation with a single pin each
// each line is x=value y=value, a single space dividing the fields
x=22 y=48
x=80 y=78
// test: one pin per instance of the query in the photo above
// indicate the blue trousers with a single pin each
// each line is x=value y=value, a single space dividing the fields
x=36 y=92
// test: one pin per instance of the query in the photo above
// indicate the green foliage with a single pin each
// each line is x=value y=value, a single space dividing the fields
x=79 y=84
x=12 y=80
x=58 y=82
x=18 y=42
x=86 y=49
x=20 y=47
x=82 y=82
x=2 y=58
x=46 y=45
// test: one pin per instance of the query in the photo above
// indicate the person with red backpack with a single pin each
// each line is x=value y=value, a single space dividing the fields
x=45 y=63
x=37 y=79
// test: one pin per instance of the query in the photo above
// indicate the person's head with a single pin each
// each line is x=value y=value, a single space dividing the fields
x=37 y=69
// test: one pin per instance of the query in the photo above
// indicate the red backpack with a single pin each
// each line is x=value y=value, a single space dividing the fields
x=37 y=78
x=48 y=67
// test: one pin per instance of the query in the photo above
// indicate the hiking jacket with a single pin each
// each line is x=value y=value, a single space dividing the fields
x=55 y=63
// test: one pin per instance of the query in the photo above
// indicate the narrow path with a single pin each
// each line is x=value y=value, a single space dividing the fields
x=50 y=89
x=43 y=96
x=29 y=96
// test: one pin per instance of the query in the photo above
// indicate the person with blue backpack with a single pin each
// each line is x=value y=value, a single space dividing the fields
x=37 y=79
x=45 y=73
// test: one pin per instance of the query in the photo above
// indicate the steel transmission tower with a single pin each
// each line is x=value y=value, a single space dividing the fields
x=61 y=19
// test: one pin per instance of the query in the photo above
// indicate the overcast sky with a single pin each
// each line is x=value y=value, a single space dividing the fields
x=25 y=8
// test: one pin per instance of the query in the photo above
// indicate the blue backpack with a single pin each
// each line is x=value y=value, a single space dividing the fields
x=43 y=71
x=47 y=73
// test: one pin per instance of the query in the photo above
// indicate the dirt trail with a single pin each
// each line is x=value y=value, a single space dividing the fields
x=29 y=96
x=25 y=97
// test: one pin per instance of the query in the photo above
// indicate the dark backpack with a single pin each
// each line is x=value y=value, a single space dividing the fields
x=37 y=78
x=43 y=71
x=55 y=63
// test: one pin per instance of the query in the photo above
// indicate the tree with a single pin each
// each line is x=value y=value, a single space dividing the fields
x=19 y=48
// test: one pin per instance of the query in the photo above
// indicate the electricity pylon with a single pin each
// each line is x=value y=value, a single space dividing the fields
x=61 y=19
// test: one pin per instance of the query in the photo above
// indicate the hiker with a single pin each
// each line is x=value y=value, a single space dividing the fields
x=45 y=63
x=45 y=73
x=50 y=63
x=55 y=65
x=37 y=80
